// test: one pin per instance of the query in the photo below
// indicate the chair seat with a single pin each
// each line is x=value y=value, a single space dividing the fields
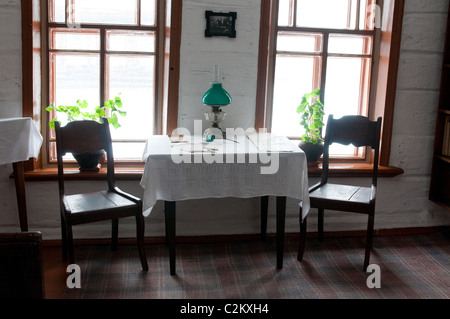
x=341 y=197
x=94 y=206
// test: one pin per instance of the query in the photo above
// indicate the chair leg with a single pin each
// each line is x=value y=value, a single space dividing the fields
x=140 y=231
x=301 y=246
x=320 y=224
x=369 y=240
x=64 y=238
x=264 y=213
x=114 y=234
x=70 y=244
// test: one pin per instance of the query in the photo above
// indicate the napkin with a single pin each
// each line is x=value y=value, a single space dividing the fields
x=199 y=147
x=267 y=142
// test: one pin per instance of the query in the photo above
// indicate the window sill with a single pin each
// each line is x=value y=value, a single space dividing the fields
x=135 y=173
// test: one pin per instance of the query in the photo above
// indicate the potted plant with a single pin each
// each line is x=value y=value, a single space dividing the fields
x=110 y=110
x=311 y=112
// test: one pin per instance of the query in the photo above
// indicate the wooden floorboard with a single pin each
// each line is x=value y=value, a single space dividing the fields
x=55 y=274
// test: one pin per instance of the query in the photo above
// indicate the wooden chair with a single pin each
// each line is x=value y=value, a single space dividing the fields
x=359 y=131
x=110 y=204
x=21 y=266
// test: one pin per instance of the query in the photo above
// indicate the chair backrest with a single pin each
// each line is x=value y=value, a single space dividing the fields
x=84 y=137
x=352 y=129
x=21 y=266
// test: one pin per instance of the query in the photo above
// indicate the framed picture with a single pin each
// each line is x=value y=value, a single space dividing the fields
x=220 y=24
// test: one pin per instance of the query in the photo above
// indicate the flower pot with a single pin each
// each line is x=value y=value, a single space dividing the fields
x=312 y=151
x=89 y=161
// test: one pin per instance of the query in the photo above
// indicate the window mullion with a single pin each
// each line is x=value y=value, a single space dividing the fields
x=138 y=12
x=349 y=13
x=324 y=67
x=159 y=67
x=366 y=76
x=293 y=15
x=70 y=12
x=358 y=9
x=67 y=6
x=104 y=69
x=317 y=79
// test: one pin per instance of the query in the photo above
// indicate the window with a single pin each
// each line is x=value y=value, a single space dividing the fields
x=166 y=29
x=321 y=44
x=100 y=49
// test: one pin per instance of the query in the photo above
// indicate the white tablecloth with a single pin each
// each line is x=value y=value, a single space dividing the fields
x=196 y=170
x=19 y=140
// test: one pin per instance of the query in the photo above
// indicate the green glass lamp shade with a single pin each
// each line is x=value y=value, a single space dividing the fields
x=216 y=95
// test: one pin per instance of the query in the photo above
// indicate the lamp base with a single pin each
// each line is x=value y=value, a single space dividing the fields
x=215 y=116
x=213 y=133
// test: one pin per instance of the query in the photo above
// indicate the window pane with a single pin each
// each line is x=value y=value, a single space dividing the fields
x=132 y=77
x=131 y=41
x=71 y=39
x=294 y=76
x=342 y=97
x=299 y=42
x=326 y=14
x=57 y=11
x=338 y=150
x=148 y=12
x=285 y=13
x=128 y=151
x=77 y=76
x=349 y=96
x=53 y=154
x=105 y=11
x=349 y=44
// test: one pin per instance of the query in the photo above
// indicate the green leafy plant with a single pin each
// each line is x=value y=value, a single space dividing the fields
x=110 y=109
x=311 y=112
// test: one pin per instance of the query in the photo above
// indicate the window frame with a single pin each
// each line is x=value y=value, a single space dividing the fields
x=103 y=53
x=35 y=71
x=384 y=77
x=384 y=97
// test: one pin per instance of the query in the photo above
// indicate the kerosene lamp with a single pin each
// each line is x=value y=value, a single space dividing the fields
x=216 y=98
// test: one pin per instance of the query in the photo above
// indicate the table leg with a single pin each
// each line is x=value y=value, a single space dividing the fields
x=19 y=180
x=166 y=209
x=264 y=213
x=281 y=218
x=171 y=233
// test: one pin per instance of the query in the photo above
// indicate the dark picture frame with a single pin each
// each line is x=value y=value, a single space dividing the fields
x=220 y=24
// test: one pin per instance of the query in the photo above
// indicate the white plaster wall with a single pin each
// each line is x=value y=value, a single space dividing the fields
x=236 y=57
x=10 y=59
x=10 y=98
x=402 y=201
x=418 y=85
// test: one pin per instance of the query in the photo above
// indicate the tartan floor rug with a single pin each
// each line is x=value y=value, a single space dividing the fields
x=411 y=267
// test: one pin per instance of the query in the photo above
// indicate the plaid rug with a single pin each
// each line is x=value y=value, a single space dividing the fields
x=411 y=267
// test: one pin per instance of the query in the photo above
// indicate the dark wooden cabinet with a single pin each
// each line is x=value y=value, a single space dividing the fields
x=21 y=266
x=440 y=174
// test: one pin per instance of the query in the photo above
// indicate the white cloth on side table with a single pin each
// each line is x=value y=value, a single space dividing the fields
x=20 y=140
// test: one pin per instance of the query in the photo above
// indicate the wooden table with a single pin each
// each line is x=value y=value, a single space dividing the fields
x=241 y=169
x=20 y=140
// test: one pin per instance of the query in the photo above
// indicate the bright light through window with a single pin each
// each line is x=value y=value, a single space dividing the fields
x=326 y=14
x=322 y=44
x=80 y=67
